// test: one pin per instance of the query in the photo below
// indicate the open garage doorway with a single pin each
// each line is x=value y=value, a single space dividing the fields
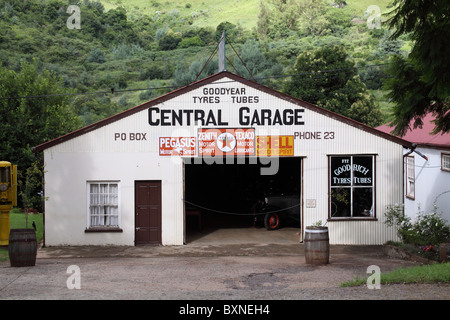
x=235 y=203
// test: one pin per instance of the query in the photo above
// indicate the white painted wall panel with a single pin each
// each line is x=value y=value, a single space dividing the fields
x=432 y=185
x=102 y=155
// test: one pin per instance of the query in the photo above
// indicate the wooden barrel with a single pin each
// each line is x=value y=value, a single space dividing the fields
x=317 y=245
x=22 y=247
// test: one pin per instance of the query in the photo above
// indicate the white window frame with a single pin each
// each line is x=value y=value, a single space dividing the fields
x=445 y=162
x=109 y=201
x=410 y=178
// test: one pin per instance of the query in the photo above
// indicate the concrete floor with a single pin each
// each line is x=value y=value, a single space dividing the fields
x=249 y=235
x=228 y=229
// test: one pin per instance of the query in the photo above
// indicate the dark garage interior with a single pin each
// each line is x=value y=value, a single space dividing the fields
x=219 y=196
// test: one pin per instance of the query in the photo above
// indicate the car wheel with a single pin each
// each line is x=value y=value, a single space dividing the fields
x=272 y=221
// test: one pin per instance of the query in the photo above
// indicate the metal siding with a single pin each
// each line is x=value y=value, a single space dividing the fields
x=140 y=160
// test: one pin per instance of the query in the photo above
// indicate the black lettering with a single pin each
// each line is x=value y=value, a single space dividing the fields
x=150 y=117
x=211 y=119
x=255 y=119
x=244 y=120
x=188 y=116
x=165 y=117
x=298 y=117
x=277 y=118
x=219 y=117
x=266 y=114
x=287 y=117
x=178 y=117
x=199 y=115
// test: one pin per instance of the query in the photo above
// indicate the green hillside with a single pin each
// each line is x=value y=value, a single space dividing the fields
x=128 y=52
x=210 y=13
x=203 y=12
x=135 y=44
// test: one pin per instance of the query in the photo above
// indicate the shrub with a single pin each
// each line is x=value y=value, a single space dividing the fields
x=96 y=55
x=427 y=229
x=432 y=229
x=191 y=42
x=169 y=41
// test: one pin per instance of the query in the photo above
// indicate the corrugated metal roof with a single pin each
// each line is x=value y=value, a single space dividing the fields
x=423 y=136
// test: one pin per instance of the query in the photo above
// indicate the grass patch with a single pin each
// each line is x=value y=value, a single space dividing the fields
x=18 y=221
x=435 y=273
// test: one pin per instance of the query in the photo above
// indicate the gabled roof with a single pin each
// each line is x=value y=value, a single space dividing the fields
x=423 y=136
x=208 y=80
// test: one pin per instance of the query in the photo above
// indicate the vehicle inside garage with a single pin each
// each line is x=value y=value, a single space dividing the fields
x=237 y=196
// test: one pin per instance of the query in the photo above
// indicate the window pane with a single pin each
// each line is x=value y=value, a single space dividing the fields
x=362 y=171
x=362 y=202
x=341 y=171
x=446 y=161
x=340 y=202
x=4 y=174
x=103 y=206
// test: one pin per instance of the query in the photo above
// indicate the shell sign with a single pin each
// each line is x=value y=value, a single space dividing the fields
x=275 y=146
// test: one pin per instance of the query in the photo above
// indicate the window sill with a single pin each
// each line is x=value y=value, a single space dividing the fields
x=103 y=229
x=353 y=219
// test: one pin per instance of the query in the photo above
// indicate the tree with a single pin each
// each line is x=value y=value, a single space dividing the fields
x=27 y=122
x=420 y=83
x=313 y=15
x=327 y=78
x=263 y=20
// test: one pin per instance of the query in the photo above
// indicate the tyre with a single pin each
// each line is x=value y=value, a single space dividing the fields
x=272 y=221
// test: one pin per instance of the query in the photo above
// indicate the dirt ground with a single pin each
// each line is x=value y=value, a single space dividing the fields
x=205 y=272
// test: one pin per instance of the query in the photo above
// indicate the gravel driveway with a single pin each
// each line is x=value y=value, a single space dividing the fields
x=207 y=272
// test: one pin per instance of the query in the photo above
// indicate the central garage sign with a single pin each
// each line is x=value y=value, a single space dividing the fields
x=238 y=139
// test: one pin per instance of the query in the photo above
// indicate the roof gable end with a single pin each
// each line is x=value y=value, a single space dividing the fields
x=227 y=76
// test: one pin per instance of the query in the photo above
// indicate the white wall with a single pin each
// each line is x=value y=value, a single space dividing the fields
x=66 y=192
x=99 y=155
x=432 y=185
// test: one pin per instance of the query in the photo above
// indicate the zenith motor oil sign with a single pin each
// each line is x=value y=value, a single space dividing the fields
x=236 y=142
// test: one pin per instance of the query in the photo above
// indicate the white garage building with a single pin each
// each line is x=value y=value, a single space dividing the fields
x=123 y=180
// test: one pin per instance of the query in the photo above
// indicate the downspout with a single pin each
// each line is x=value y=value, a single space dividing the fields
x=413 y=149
x=414 y=146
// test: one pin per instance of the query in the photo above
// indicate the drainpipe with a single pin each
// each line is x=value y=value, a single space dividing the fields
x=413 y=149
x=414 y=146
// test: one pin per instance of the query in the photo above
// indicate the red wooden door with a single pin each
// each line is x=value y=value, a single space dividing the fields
x=148 y=213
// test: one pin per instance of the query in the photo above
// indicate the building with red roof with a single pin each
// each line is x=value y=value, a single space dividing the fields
x=427 y=169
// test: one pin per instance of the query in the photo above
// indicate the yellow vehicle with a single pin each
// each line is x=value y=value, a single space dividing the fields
x=8 y=198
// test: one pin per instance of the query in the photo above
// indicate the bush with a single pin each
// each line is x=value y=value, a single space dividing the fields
x=427 y=229
x=169 y=41
x=191 y=42
x=96 y=55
